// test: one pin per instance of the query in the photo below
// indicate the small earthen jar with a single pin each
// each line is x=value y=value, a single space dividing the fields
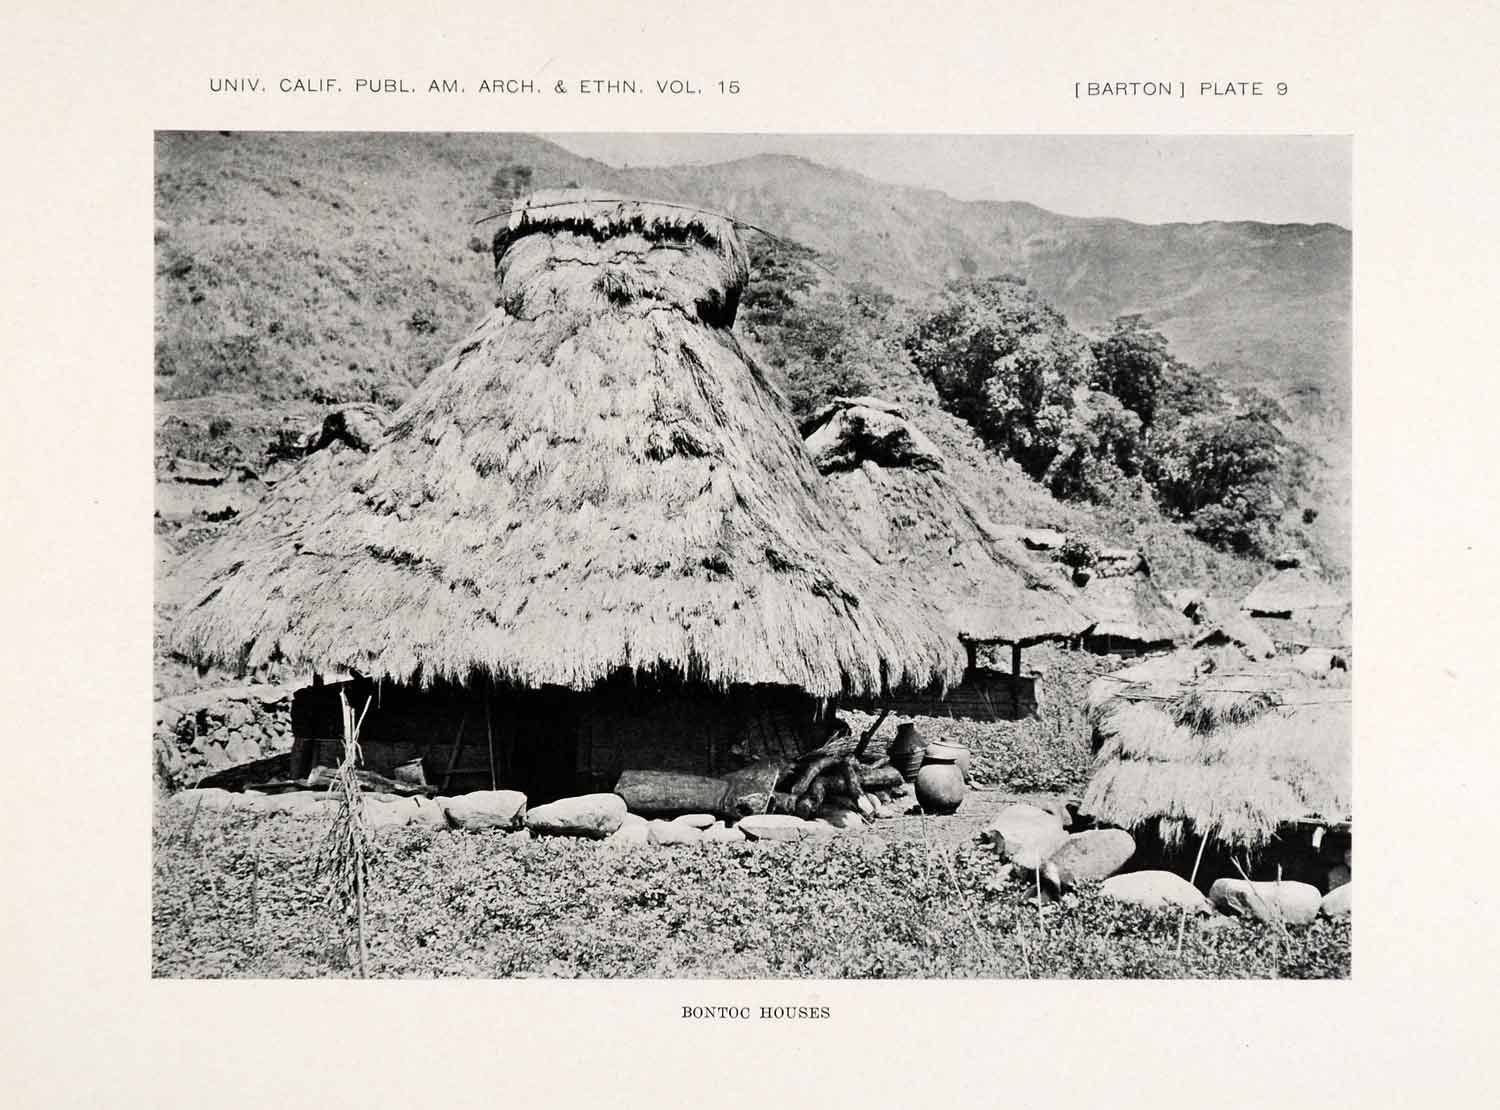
x=940 y=782
x=907 y=751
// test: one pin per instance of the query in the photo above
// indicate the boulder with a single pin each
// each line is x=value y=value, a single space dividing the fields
x=634 y=830
x=386 y=815
x=841 y=818
x=404 y=811
x=1088 y=857
x=724 y=835
x=1156 y=890
x=774 y=826
x=1292 y=903
x=429 y=813
x=1337 y=902
x=1024 y=835
x=696 y=820
x=486 y=809
x=819 y=827
x=594 y=815
x=672 y=832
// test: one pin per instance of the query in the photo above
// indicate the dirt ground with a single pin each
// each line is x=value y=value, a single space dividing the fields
x=963 y=827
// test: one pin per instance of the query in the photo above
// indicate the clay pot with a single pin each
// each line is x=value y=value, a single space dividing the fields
x=940 y=782
x=956 y=752
x=907 y=751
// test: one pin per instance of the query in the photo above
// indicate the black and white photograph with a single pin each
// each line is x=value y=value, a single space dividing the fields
x=804 y=554
x=752 y=556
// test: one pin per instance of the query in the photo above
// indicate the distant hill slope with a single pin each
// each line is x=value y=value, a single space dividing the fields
x=375 y=229
x=1271 y=302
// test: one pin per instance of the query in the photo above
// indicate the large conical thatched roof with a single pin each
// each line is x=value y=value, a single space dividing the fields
x=891 y=485
x=1229 y=748
x=596 y=480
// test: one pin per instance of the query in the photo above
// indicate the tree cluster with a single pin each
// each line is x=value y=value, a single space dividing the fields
x=1115 y=419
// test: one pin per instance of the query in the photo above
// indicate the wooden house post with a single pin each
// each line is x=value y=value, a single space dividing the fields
x=1015 y=680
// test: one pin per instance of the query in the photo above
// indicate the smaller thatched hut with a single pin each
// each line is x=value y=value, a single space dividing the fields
x=1206 y=748
x=1297 y=607
x=894 y=490
x=1131 y=615
x=1216 y=624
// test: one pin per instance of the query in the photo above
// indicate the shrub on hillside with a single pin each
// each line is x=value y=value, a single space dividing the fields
x=825 y=340
x=1229 y=473
x=1007 y=362
x=1131 y=363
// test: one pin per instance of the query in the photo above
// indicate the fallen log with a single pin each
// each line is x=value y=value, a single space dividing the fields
x=879 y=778
x=670 y=792
x=810 y=772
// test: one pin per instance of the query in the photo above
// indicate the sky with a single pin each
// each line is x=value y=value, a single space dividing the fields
x=1147 y=178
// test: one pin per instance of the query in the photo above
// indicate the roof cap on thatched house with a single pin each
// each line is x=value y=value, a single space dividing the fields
x=1233 y=749
x=597 y=480
x=893 y=488
x=550 y=253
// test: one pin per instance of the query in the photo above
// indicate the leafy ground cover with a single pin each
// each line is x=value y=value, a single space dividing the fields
x=238 y=895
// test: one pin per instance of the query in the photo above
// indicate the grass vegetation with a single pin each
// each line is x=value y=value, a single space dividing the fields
x=501 y=905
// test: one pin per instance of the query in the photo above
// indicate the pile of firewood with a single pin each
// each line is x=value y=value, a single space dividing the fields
x=843 y=771
x=822 y=777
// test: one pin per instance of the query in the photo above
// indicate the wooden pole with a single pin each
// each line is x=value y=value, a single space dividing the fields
x=1015 y=680
x=489 y=736
x=458 y=746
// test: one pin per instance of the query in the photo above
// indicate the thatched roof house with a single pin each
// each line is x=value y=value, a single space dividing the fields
x=1205 y=744
x=597 y=480
x=1291 y=591
x=1130 y=613
x=1216 y=624
x=892 y=486
x=1297 y=607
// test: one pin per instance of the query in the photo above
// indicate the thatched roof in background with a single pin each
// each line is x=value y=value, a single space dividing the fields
x=891 y=485
x=850 y=431
x=1291 y=590
x=596 y=480
x=1126 y=604
x=1232 y=748
x=1216 y=624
